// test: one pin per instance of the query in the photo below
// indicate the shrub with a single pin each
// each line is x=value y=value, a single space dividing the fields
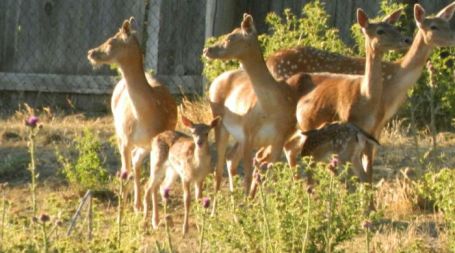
x=285 y=217
x=87 y=170
x=439 y=187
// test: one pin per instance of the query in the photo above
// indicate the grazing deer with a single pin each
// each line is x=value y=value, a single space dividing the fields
x=141 y=106
x=256 y=110
x=399 y=77
x=379 y=37
x=188 y=157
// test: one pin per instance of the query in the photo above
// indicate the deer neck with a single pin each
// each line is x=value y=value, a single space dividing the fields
x=264 y=85
x=411 y=65
x=371 y=86
x=201 y=153
x=136 y=83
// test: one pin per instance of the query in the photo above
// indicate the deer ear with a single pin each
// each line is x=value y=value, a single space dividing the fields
x=394 y=17
x=419 y=14
x=186 y=122
x=248 y=24
x=362 y=18
x=447 y=12
x=126 y=28
x=215 y=122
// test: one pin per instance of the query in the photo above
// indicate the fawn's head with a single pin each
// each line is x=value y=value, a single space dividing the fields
x=382 y=36
x=236 y=44
x=122 y=45
x=436 y=30
x=200 y=132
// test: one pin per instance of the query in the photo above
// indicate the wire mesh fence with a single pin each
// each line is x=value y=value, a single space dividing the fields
x=44 y=43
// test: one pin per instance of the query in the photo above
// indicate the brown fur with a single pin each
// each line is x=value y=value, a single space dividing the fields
x=141 y=106
x=187 y=156
x=256 y=109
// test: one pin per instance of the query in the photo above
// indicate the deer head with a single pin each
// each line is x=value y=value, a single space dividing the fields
x=200 y=132
x=382 y=36
x=436 y=30
x=118 y=47
x=237 y=44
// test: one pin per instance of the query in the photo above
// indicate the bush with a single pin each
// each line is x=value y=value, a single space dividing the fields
x=285 y=217
x=439 y=188
x=87 y=171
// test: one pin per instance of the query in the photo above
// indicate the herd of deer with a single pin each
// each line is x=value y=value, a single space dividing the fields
x=341 y=109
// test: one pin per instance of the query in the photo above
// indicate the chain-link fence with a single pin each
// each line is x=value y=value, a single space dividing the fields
x=44 y=43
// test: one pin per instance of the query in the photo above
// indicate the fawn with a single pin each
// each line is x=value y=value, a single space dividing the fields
x=331 y=101
x=256 y=115
x=177 y=154
x=141 y=106
x=344 y=139
x=382 y=35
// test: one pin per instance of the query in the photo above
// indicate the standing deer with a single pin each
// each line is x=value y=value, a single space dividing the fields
x=188 y=157
x=399 y=77
x=141 y=106
x=259 y=114
x=380 y=37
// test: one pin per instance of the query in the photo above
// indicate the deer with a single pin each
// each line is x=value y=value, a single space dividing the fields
x=259 y=114
x=142 y=107
x=177 y=154
x=398 y=78
x=380 y=37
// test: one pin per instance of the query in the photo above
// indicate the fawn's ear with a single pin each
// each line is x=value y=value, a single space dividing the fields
x=419 y=14
x=362 y=18
x=186 y=122
x=215 y=122
x=394 y=17
x=248 y=24
x=447 y=12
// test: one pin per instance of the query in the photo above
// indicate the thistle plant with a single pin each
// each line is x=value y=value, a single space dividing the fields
x=42 y=221
x=2 y=188
x=367 y=226
x=123 y=176
x=32 y=125
x=205 y=205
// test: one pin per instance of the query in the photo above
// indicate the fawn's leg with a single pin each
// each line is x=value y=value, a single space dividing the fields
x=186 y=201
x=198 y=188
x=138 y=158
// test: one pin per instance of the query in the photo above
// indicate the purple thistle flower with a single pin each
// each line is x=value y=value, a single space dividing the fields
x=334 y=162
x=124 y=175
x=166 y=194
x=366 y=224
x=44 y=218
x=206 y=202
x=32 y=121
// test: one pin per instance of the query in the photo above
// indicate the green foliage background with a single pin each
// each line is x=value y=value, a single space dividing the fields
x=312 y=28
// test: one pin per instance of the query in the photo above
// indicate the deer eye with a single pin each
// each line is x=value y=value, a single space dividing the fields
x=380 y=32
x=434 y=28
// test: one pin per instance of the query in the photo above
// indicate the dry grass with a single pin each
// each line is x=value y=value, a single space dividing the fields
x=399 y=162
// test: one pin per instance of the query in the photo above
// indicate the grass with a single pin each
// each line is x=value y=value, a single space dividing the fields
x=406 y=224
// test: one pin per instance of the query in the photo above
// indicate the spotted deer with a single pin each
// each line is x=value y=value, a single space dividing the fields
x=256 y=109
x=177 y=154
x=379 y=37
x=142 y=106
x=344 y=139
x=334 y=99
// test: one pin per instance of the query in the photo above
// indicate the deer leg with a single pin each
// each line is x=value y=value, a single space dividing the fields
x=221 y=139
x=157 y=173
x=186 y=201
x=198 y=188
x=233 y=160
x=247 y=167
x=292 y=148
x=138 y=158
x=125 y=157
